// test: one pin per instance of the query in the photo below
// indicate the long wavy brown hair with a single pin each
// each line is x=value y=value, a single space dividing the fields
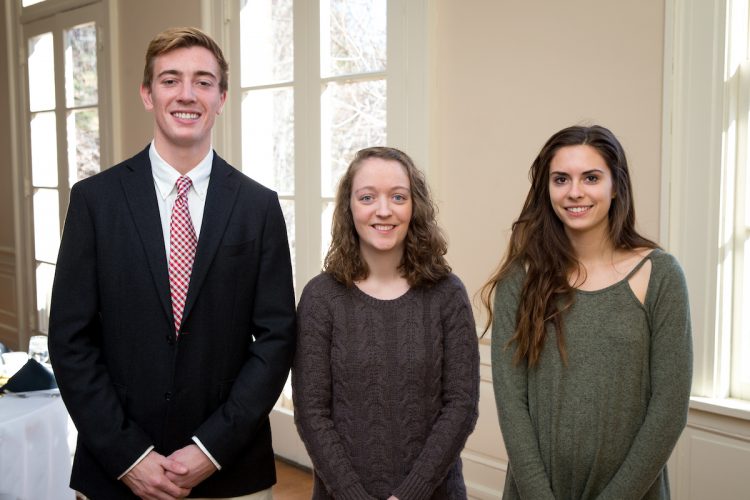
x=423 y=262
x=539 y=243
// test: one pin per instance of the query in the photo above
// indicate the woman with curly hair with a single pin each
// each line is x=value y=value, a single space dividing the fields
x=591 y=343
x=386 y=374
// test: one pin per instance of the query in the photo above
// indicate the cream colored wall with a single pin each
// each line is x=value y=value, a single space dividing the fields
x=507 y=75
x=138 y=22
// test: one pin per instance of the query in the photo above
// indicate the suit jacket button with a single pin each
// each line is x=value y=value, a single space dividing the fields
x=170 y=340
x=168 y=396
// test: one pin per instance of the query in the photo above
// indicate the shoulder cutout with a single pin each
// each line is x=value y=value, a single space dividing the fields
x=638 y=278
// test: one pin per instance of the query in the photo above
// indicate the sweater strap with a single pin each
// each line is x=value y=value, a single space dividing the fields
x=638 y=266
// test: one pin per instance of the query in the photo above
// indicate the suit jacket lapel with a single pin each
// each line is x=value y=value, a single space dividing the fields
x=141 y=196
x=220 y=198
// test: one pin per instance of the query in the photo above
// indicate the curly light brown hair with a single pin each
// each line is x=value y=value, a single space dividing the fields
x=425 y=246
x=182 y=38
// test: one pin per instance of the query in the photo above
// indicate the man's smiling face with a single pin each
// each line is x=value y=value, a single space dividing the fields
x=185 y=98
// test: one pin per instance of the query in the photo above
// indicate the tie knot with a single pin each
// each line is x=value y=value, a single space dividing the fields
x=183 y=184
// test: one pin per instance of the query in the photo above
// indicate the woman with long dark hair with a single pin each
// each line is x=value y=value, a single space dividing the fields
x=591 y=342
x=386 y=374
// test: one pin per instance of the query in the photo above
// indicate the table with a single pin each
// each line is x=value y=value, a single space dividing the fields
x=34 y=455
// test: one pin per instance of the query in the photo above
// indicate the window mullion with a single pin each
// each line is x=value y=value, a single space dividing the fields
x=695 y=126
x=307 y=134
x=61 y=125
x=231 y=143
x=408 y=56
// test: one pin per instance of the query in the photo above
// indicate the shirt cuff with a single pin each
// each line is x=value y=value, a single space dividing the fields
x=204 y=450
x=136 y=462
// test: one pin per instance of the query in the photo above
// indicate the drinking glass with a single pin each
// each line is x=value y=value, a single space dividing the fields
x=38 y=348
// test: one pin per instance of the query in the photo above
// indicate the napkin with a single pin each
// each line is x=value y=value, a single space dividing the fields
x=31 y=377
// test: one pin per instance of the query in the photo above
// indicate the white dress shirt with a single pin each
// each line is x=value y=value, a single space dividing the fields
x=165 y=183
x=165 y=179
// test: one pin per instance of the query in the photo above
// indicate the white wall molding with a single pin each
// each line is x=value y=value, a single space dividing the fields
x=481 y=491
x=713 y=455
x=720 y=425
x=490 y=461
x=485 y=461
x=286 y=441
x=7 y=254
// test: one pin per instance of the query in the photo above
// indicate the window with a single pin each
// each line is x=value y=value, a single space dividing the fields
x=734 y=236
x=311 y=83
x=706 y=185
x=62 y=78
x=350 y=113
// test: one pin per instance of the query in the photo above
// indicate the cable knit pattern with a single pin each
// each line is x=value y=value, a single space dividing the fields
x=386 y=391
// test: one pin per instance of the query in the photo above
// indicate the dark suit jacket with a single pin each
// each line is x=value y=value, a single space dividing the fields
x=127 y=380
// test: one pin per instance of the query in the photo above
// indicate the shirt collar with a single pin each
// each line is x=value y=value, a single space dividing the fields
x=165 y=175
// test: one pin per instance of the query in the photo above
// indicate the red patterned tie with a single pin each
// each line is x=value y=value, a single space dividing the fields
x=182 y=243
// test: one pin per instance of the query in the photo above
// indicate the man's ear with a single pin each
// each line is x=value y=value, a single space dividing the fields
x=146 y=98
x=223 y=100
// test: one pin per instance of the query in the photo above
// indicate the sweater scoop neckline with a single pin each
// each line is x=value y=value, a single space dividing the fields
x=383 y=302
x=624 y=280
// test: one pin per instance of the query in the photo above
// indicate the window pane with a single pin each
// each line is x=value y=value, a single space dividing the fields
x=287 y=208
x=46 y=224
x=80 y=66
x=41 y=73
x=741 y=343
x=353 y=117
x=353 y=36
x=45 y=274
x=268 y=138
x=26 y=3
x=43 y=150
x=266 y=41
x=325 y=228
x=83 y=144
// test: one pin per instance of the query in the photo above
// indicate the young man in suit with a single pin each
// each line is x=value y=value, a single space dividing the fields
x=172 y=325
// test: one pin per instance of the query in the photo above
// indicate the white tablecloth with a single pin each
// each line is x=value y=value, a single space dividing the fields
x=34 y=455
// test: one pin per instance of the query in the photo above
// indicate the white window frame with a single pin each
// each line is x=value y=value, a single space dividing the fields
x=409 y=28
x=698 y=105
x=407 y=104
x=51 y=12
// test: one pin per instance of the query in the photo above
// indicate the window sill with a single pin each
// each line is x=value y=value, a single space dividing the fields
x=728 y=407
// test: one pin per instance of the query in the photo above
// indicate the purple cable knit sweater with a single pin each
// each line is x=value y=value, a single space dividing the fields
x=386 y=391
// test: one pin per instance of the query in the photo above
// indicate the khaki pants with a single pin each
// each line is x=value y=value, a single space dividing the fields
x=258 y=495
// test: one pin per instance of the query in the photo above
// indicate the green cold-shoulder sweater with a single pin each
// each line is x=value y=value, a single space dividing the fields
x=603 y=426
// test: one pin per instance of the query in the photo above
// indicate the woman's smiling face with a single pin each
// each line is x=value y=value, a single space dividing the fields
x=381 y=207
x=581 y=190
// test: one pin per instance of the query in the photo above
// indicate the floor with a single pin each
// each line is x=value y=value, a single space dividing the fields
x=292 y=483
